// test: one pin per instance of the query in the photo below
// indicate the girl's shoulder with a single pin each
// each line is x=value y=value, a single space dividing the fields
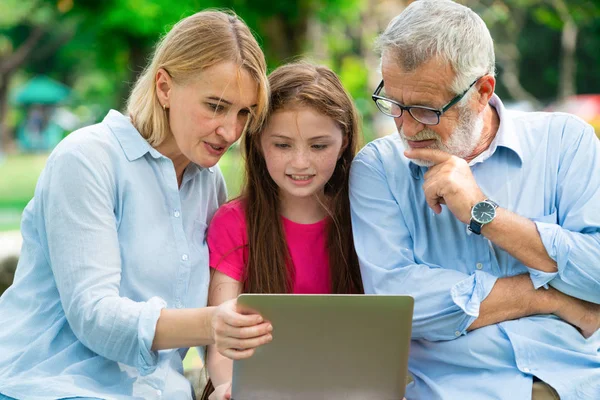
x=233 y=207
x=230 y=214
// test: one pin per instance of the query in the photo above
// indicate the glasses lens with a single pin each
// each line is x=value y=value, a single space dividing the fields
x=425 y=116
x=388 y=108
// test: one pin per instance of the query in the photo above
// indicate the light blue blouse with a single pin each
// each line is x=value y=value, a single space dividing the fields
x=109 y=239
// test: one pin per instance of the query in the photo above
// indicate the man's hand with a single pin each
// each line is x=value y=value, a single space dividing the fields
x=449 y=181
x=579 y=313
x=238 y=332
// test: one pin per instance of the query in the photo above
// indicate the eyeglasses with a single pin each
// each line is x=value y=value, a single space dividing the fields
x=424 y=115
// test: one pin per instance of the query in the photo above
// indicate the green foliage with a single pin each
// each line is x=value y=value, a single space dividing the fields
x=547 y=17
x=108 y=42
x=535 y=27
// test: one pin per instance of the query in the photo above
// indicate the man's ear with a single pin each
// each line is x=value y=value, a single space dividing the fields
x=485 y=87
x=164 y=83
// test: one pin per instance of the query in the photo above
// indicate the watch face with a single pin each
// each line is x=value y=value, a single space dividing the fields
x=483 y=212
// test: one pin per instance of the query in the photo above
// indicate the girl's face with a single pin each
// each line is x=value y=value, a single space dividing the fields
x=301 y=148
x=207 y=114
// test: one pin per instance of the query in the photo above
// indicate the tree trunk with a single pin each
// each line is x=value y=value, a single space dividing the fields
x=4 y=79
x=566 y=83
x=508 y=57
x=7 y=68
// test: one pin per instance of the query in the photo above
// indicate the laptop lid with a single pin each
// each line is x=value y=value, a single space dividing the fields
x=328 y=347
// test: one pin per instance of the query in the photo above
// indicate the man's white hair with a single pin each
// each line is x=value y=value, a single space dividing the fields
x=444 y=29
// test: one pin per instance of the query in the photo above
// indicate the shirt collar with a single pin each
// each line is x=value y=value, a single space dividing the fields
x=506 y=137
x=133 y=144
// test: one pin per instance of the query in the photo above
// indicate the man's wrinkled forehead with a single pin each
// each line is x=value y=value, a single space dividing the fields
x=432 y=77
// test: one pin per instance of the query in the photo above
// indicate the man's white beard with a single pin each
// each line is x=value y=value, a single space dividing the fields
x=461 y=143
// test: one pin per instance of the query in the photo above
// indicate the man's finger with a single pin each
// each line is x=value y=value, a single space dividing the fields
x=434 y=155
x=432 y=197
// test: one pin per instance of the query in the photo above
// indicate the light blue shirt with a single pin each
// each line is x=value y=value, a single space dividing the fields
x=109 y=239
x=542 y=166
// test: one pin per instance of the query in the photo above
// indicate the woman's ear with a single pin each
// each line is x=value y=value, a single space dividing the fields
x=164 y=84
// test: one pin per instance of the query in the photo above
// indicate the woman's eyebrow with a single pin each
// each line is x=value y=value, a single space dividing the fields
x=227 y=102
x=220 y=100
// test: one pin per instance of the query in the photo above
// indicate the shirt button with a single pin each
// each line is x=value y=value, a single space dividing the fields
x=176 y=213
x=159 y=392
x=457 y=333
x=184 y=257
x=479 y=266
x=178 y=304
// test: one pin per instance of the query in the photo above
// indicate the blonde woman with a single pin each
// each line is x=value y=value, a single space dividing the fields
x=111 y=287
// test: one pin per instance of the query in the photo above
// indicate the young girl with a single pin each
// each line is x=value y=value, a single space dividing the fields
x=289 y=231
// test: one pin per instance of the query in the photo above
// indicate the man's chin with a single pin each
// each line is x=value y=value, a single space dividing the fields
x=422 y=163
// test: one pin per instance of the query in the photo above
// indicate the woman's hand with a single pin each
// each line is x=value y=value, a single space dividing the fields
x=238 y=332
x=222 y=392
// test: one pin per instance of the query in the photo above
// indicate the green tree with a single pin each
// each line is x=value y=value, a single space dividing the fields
x=525 y=32
x=29 y=33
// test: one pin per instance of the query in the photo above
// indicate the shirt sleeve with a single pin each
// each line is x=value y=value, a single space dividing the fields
x=571 y=235
x=227 y=242
x=77 y=203
x=446 y=301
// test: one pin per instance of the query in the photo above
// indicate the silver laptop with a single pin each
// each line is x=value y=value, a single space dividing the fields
x=328 y=347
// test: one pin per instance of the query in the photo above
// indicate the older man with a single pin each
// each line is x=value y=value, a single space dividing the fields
x=475 y=211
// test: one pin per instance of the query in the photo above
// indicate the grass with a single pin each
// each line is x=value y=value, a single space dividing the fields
x=18 y=176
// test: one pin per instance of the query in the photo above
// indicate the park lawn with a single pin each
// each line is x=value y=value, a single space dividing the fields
x=19 y=175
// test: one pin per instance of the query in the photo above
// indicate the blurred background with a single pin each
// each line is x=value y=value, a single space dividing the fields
x=65 y=63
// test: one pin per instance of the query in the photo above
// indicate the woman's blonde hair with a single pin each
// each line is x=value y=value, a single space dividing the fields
x=197 y=42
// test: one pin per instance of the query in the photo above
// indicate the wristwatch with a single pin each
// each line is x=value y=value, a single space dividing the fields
x=482 y=213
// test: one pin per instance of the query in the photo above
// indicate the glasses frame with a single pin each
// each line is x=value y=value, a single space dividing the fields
x=439 y=112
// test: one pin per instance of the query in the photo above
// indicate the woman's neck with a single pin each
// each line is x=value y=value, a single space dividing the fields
x=170 y=150
x=303 y=210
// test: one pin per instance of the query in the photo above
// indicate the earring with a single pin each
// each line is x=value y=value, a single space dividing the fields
x=164 y=107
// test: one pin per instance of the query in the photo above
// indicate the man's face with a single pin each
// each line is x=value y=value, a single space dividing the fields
x=459 y=130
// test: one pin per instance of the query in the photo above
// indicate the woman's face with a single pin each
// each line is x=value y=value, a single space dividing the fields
x=208 y=113
x=301 y=148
